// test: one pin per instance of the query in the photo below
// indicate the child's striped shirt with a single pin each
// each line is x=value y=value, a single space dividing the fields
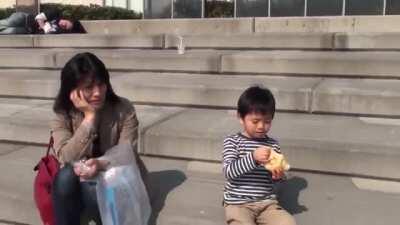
x=246 y=180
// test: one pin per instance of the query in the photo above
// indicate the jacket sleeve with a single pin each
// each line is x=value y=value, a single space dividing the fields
x=129 y=133
x=129 y=127
x=71 y=146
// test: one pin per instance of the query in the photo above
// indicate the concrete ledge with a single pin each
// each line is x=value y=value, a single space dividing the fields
x=173 y=184
x=374 y=64
x=255 y=41
x=280 y=40
x=349 y=96
x=26 y=58
x=20 y=115
x=315 y=63
x=152 y=60
x=166 y=26
x=29 y=83
x=11 y=41
x=366 y=96
x=169 y=88
x=211 y=90
x=99 y=41
x=336 y=144
x=371 y=41
x=328 y=24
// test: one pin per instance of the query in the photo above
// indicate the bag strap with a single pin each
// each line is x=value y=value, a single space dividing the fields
x=51 y=144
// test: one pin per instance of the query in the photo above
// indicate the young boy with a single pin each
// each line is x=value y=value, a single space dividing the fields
x=249 y=197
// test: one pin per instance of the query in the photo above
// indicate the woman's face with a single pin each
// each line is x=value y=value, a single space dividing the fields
x=94 y=92
x=65 y=24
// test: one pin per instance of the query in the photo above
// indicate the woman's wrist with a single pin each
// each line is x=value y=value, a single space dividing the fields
x=90 y=117
x=103 y=164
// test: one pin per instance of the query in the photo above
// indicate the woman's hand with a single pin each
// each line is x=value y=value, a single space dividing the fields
x=79 y=101
x=89 y=168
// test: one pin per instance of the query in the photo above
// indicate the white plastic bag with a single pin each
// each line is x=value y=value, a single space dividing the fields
x=121 y=194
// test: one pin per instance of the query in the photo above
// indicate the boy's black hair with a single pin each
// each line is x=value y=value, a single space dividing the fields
x=256 y=99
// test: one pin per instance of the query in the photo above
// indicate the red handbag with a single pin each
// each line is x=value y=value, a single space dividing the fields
x=47 y=169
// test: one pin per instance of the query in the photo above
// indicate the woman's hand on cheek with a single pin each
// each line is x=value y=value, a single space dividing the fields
x=79 y=101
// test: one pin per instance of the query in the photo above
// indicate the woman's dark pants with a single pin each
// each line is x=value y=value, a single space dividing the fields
x=74 y=202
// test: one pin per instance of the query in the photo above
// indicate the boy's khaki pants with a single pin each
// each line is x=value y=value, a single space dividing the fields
x=259 y=213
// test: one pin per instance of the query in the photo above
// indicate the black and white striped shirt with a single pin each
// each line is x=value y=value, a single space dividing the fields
x=246 y=180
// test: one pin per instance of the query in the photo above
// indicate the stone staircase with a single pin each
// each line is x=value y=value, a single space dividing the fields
x=338 y=101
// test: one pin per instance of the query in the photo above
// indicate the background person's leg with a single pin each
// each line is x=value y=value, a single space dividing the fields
x=17 y=19
x=66 y=197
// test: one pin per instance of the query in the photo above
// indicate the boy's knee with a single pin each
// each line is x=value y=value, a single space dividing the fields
x=66 y=182
x=287 y=220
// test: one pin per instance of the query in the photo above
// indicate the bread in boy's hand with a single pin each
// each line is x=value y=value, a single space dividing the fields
x=276 y=161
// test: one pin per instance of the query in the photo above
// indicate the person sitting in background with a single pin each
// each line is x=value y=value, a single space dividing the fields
x=51 y=22
x=48 y=22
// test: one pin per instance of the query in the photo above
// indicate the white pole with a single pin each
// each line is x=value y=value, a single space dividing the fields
x=269 y=8
x=203 y=5
x=305 y=8
x=344 y=8
x=172 y=9
x=234 y=9
x=384 y=7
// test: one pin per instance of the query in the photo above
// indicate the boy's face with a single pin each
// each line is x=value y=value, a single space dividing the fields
x=256 y=125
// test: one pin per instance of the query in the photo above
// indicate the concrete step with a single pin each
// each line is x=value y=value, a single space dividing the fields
x=168 y=88
x=175 y=26
x=17 y=115
x=117 y=59
x=334 y=144
x=98 y=41
x=246 y=41
x=357 y=96
x=255 y=41
x=388 y=23
x=82 y=41
x=367 y=41
x=305 y=94
x=153 y=60
x=375 y=64
x=309 y=63
x=310 y=24
x=337 y=144
x=183 y=194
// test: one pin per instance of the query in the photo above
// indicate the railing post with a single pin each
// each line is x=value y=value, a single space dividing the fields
x=384 y=7
x=305 y=8
x=344 y=8
x=269 y=8
x=203 y=5
x=172 y=9
x=234 y=8
x=27 y=6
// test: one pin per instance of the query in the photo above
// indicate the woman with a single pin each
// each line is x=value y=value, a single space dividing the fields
x=90 y=119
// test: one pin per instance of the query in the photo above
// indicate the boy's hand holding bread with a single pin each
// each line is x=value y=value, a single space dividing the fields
x=272 y=161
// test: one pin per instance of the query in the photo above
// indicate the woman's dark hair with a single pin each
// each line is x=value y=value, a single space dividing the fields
x=256 y=99
x=79 y=68
x=77 y=27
